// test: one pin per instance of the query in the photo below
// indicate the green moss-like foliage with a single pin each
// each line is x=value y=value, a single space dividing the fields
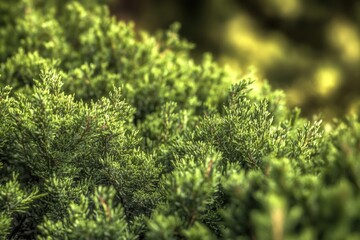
x=109 y=133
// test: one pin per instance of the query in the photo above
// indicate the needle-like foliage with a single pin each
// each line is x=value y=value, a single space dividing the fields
x=111 y=133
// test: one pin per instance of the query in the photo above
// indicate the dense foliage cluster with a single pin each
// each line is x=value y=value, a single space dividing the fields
x=109 y=133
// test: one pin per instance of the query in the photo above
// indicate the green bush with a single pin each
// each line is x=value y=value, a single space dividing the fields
x=109 y=133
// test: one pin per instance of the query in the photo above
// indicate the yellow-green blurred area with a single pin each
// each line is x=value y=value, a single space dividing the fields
x=309 y=48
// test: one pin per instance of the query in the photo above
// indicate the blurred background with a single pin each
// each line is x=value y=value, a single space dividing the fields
x=308 y=48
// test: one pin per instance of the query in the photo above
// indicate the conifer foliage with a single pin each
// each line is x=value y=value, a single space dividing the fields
x=109 y=133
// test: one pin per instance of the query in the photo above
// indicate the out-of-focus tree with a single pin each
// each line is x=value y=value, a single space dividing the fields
x=308 y=48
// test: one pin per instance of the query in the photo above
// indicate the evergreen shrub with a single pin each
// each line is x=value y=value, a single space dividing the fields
x=111 y=133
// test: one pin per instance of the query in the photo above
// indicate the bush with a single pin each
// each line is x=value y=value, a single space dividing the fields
x=109 y=133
